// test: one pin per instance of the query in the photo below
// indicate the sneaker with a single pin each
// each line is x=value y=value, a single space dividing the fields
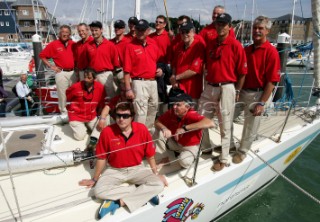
x=237 y=158
x=217 y=166
x=108 y=206
x=155 y=200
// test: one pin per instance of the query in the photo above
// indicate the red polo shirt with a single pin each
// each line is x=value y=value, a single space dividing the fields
x=172 y=122
x=225 y=62
x=83 y=104
x=80 y=57
x=121 y=152
x=209 y=33
x=164 y=44
x=61 y=54
x=190 y=58
x=263 y=65
x=121 y=46
x=102 y=57
x=140 y=61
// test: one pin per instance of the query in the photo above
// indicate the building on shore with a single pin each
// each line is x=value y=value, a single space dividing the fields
x=21 y=19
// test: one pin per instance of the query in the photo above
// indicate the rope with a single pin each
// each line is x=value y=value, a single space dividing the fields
x=288 y=180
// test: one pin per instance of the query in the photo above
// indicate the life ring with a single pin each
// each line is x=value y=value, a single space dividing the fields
x=32 y=65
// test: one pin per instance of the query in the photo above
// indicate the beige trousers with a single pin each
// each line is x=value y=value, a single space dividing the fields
x=187 y=153
x=146 y=101
x=64 y=79
x=106 y=79
x=219 y=100
x=80 y=129
x=109 y=186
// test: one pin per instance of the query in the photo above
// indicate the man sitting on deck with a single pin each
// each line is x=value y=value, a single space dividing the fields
x=186 y=125
x=123 y=146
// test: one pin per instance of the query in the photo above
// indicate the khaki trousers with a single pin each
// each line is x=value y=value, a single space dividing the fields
x=146 y=101
x=106 y=79
x=64 y=79
x=80 y=129
x=110 y=185
x=187 y=153
x=219 y=100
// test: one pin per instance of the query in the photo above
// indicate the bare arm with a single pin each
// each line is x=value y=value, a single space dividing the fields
x=100 y=164
x=185 y=75
x=103 y=116
x=129 y=92
x=53 y=67
x=239 y=85
x=166 y=132
x=154 y=169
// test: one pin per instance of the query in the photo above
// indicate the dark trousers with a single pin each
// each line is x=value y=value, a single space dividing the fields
x=3 y=106
x=24 y=104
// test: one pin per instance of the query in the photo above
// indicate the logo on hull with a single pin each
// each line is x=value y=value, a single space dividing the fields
x=292 y=155
x=178 y=210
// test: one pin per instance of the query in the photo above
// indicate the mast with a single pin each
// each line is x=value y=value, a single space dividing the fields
x=137 y=9
x=292 y=21
x=112 y=20
x=315 y=8
x=251 y=41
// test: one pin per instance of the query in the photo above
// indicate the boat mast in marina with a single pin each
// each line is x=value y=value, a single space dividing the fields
x=315 y=6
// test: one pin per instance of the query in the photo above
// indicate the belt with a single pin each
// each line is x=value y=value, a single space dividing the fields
x=67 y=70
x=142 y=79
x=102 y=71
x=255 y=89
x=219 y=84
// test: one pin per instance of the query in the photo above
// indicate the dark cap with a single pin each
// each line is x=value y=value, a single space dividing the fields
x=133 y=20
x=224 y=18
x=119 y=24
x=187 y=26
x=142 y=25
x=182 y=97
x=97 y=24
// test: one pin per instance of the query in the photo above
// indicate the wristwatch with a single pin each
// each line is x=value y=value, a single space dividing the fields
x=185 y=128
x=261 y=103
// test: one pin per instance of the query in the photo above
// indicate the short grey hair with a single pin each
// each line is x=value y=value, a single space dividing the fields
x=219 y=6
x=263 y=20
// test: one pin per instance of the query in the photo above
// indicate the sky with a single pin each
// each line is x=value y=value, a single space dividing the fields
x=70 y=11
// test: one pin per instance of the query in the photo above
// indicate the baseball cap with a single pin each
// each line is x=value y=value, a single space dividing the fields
x=119 y=24
x=187 y=26
x=182 y=97
x=142 y=25
x=96 y=23
x=133 y=20
x=224 y=18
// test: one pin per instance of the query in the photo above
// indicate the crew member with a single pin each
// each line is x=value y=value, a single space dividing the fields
x=263 y=73
x=62 y=54
x=132 y=22
x=123 y=146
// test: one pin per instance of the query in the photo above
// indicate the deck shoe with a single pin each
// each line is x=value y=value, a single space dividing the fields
x=217 y=166
x=108 y=206
x=218 y=149
x=155 y=200
x=237 y=158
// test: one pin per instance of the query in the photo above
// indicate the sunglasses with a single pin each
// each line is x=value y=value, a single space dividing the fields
x=159 y=22
x=185 y=31
x=124 y=116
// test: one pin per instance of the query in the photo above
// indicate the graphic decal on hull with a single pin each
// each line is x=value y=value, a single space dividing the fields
x=178 y=210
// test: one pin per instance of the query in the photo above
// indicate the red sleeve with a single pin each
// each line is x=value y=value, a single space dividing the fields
x=127 y=63
x=241 y=65
x=115 y=55
x=194 y=117
x=47 y=52
x=69 y=93
x=198 y=58
x=164 y=117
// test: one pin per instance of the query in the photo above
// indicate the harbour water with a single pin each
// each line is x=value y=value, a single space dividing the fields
x=280 y=201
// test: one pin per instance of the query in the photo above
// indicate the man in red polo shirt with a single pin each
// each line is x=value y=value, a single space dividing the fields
x=86 y=100
x=181 y=129
x=103 y=58
x=123 y=146
x=161 y=37
x=132 y=22
x=209 y=32
x=120 y=41
x=263 y=73
x=81 y=61
x=140 y=60
x=227 y=66
x=62 y=54
x=187 y=62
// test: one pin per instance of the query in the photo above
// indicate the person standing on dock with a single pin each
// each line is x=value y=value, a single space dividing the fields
x=123 y=146
x=227 y=67
x=81 y=61
x=263 y=72
x=140 y=68
x=61 y=51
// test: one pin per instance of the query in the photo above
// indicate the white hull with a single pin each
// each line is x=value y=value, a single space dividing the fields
x=54 y=195
x=14 y=66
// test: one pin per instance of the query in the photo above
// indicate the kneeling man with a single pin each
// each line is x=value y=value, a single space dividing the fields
x=123 y=145
x=180 y=128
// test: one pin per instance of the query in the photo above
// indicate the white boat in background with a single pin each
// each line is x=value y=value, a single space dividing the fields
x=14 y=60
x=301 y=61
